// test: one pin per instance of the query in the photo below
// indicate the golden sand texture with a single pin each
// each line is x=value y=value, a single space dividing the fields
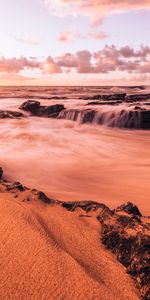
x=47 y=252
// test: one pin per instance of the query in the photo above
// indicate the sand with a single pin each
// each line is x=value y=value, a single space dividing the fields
x=47 y=252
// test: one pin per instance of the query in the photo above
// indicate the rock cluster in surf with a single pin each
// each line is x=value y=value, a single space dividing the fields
x=137 y=117
x=113 y=110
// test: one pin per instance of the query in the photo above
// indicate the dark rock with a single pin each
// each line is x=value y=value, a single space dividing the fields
x=133 y=119
x=145 y=119
x=105 y=102
x=88 y=116
x=117 y=96
x=130 y=208
x=70 y=114
x=51 y=111
x=139 y=108
x=127 y=236
x=34 y=107
x=44 y=198
x=16 y=186
x=31 y=106
x=8 y=114
x=1 y=172
x=85 y=205
x=137 y=97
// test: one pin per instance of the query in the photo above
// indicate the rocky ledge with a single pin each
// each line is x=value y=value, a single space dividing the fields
x=8 y=114
x=125 y=231
x=36 y=109
x=119 y=96
x=135 y=118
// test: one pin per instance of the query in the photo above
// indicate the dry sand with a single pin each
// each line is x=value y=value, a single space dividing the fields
x=47 y=252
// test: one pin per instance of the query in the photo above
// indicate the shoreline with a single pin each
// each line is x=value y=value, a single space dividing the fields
x=115 y=225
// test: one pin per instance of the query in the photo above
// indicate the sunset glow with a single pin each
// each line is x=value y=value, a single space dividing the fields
x=57 y=42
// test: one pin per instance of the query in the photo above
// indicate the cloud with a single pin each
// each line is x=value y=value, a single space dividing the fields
x=15 y=65
x=105 y=61
x=84 y=62
x=98 y=35
x=95 y=9
x=67 y=60
x=51 y=67
x=68 y=36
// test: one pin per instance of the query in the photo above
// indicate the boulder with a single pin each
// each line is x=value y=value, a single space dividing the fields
x=36 y=109
x=51 y=111
x=31 y=106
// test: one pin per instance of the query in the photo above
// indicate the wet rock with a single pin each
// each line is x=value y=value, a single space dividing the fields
x=137 y=97
x=30 y=106
x=130 y=208
x=145 y=119
x=34 y=107
x=117 y=96
x=125 y=118
x=127 y=234
x=44 y=198
x=1 y=172
x=7 y=114
x=105 y=102
x=51 y=111
x=88 y=116
x=85 y=205
x=16 y=186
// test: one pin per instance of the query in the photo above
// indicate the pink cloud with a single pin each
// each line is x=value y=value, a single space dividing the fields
x=95 y=9
x=67 y=60
x=66 y=36
x=15 y=65
x=51 y=67
x=106 y=60
x=98 y=35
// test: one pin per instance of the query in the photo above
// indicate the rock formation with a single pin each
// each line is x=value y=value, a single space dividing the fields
x=34 y=107
x=8 y=114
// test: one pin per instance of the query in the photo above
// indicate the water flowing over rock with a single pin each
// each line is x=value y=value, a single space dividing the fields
x=136 y=119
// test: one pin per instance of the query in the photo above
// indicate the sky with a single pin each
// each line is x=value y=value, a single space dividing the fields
x=74 y=42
